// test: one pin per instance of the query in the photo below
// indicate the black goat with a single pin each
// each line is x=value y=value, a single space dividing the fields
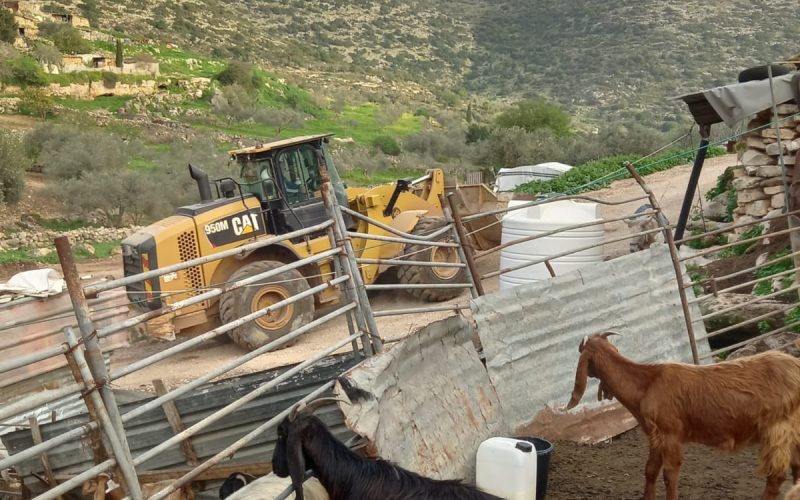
x=304 y=442
x=234 y=483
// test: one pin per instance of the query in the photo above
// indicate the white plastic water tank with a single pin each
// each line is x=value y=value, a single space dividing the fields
x=540 y=219
x=506 y=467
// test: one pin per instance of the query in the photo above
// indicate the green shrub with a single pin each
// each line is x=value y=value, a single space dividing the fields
x=600 y=173
x=68 y=39
x=37 y=102
x=12 y=168
x=240 y=73
x=8 y=26
x=387 y=145
x=25 y=70
x=536 y=114
x=743 y=248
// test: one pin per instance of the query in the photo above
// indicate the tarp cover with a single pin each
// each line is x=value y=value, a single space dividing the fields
x=510 y=178
x=736 y=102
x=426 y=403
x=35 y=283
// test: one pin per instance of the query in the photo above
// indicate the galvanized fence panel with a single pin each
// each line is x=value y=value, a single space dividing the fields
x=237 y=424
x=753 y=305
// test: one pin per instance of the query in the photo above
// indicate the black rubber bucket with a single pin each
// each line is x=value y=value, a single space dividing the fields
x=544 y=450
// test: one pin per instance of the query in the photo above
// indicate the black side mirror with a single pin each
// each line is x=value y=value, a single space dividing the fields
x=268 y=185
x=228 y=188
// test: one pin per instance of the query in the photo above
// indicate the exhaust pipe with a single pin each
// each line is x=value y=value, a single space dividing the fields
x=202 y=183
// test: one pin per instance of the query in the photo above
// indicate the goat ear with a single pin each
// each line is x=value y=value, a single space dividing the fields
x=581 y=379
x=296 y=461
x=583 y=343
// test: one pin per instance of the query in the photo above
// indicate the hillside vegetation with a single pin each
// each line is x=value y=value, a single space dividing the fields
x=620 y=58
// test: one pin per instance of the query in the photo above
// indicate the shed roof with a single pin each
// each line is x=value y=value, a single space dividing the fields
x=733 y=103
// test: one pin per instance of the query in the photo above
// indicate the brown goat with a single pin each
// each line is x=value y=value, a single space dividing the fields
x=726 y=405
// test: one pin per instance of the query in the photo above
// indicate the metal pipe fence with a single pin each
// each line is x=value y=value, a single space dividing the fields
x=750 y=304
x=107 y=424
x=111 y=451
x=106 y=427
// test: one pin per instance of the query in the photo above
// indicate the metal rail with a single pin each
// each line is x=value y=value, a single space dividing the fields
x=563 y=254
x=216 y=292
x=189 y=432
x=559 y=230
x=419 y=310
x=390 y=229
x=183 y=346
x=236 y=445
x=19 y=362
x=157 y=402
x=392 y=239
x=522 y=206
x=94 y=289
x=403 y=262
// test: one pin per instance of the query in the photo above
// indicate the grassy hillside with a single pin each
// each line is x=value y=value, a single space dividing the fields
x=621 y=58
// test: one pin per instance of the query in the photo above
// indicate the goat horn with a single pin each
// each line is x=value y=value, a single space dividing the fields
x=605 y=335
x=311 y=407
x=296 y=411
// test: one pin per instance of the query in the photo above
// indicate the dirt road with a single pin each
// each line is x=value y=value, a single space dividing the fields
x=669 y=187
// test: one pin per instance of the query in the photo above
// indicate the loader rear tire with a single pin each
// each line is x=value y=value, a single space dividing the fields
x=249 y=299
x=423 y=275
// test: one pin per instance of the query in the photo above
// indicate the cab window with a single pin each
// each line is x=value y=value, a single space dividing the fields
x=256 y=178
x=299 y=174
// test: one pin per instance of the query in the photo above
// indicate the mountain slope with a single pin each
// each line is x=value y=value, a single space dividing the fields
x=613 y=59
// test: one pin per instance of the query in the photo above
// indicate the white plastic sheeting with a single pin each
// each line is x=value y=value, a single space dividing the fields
x=34 y=283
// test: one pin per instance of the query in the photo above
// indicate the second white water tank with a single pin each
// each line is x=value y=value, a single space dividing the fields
x=541 y=219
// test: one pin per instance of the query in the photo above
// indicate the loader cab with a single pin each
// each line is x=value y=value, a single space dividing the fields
x=285 y=177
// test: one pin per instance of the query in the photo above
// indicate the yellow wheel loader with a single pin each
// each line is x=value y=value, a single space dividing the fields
x=278 y=191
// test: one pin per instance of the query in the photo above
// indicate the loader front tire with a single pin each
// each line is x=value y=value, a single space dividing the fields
x=424 y=275
x=251 y=298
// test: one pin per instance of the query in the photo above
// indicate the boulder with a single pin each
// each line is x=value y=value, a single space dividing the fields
x=769 y=171
x=42 y=252
x=783 y=342
x=751 y=157
x=758 y=208
x=788 y=147
x=717 y=208
x=12 y=243
x=786 y=134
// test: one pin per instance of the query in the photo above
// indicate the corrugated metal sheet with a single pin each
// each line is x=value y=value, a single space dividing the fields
x=530 y=334
x=426 y=403
x=31 y=325
x=152 y=428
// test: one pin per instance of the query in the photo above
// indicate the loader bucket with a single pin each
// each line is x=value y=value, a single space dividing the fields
x=473 y=199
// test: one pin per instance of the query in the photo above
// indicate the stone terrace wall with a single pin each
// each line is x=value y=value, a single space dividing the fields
x=42 y=239
x=758 y=179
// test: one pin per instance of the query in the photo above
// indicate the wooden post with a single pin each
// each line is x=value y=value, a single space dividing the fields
x=36 y=434
x=465 y=244
x=175 y=421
